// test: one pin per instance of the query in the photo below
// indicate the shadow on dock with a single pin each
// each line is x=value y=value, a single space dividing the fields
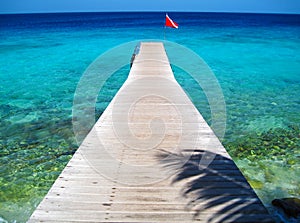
x=217 y=188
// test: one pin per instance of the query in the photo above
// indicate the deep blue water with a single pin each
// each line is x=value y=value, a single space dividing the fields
x=255 y=58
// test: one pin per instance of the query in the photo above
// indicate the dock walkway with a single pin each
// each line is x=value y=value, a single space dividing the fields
x=151 y=157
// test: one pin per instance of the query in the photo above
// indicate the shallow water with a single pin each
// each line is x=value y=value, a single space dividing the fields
x=255 y=58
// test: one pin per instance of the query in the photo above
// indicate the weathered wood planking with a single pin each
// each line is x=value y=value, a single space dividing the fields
x=140 y=162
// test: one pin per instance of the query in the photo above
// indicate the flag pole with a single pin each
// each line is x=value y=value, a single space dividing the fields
x=165 y=29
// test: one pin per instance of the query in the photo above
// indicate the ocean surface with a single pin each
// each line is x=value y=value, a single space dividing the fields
x=255 y=57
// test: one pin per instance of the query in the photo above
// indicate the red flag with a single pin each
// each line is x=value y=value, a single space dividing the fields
x=170 y=22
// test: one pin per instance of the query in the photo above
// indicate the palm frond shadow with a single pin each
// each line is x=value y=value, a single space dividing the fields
x=214 y=187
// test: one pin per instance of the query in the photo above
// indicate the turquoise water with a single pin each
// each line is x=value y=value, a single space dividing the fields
x=255 y=58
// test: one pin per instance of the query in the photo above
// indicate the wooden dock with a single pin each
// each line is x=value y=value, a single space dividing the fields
x=151 y=157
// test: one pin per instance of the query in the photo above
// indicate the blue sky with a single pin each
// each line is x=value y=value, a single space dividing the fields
x=269 y=6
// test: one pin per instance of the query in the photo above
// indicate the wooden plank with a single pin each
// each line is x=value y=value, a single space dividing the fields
x=119 y=174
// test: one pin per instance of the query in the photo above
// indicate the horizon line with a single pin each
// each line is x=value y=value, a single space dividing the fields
x=141 y=11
